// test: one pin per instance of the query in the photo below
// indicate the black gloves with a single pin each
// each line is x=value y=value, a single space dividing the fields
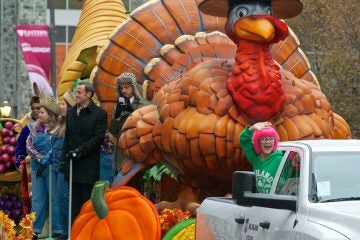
x=40 y=171
x=74 y=154
x=117 y=111
x=123 y=104
x=128 y=106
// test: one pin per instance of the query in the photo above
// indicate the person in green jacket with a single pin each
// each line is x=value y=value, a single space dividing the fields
x=259 y=143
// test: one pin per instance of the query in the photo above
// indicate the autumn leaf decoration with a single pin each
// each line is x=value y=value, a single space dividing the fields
x=170 y=217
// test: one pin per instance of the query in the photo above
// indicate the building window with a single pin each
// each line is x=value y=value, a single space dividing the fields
x=58 y=4
x=72 y=4
x=71 y=33
x=60 y=34
x=133 y=4
x=76 y=4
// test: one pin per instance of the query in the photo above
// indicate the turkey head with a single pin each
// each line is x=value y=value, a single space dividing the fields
x=255 y=81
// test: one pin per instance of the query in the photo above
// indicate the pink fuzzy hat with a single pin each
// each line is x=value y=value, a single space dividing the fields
x=267 y=132
x=292 y=155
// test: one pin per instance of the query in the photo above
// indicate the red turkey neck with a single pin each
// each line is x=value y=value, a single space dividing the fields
x=254 y=82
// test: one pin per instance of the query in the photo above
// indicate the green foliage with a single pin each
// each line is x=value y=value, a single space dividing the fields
x=155 y=173
x=77 y=81
x=75 y=84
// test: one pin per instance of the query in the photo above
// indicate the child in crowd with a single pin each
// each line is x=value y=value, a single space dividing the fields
x=54 y=157
x=38 y=146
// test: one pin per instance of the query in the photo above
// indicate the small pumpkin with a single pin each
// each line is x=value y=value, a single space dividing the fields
x=118 y=213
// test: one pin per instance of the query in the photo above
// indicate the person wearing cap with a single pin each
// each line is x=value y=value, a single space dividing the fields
x=128 y=100
x=259 y=144
x=84 y=133
x=59 y=185
x=38 y=145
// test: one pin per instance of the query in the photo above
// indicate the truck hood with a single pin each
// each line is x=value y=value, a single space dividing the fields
x=343 y=217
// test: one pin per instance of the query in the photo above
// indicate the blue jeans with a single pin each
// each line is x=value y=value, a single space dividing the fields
x=107 y=171
x=63 y=198
x=40 y=199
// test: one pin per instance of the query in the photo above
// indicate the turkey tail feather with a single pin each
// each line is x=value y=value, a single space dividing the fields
x=187 y=52
x=342 y=129
x=290 y=56
x=139 y=39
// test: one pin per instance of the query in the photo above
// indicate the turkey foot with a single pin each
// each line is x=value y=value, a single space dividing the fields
x=187 y=200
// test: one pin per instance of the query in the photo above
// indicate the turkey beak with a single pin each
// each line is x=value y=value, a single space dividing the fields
x=257 y=30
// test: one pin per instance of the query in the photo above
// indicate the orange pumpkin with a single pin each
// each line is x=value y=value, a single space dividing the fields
x=118 y=213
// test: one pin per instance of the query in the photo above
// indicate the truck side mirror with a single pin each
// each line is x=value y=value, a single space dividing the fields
x=242 y=181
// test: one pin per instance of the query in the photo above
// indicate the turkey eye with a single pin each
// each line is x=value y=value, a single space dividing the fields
x=269 y=11
x=242 y=11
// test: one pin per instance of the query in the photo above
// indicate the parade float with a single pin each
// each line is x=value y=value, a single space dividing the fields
x=206 y=80
x=14 y=224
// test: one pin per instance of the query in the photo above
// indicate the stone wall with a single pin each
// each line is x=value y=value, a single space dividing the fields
x=14 y=84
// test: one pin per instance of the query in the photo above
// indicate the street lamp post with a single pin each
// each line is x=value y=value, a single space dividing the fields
x=53 y=46
x=5 y=109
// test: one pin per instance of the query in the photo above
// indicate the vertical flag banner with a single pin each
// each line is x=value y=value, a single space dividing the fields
x=35 y=46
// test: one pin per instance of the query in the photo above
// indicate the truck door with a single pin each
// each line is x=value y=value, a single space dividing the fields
x=263 y=223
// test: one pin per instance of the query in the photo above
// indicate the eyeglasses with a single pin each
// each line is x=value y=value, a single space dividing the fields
x=35 y=108
x=267 y=139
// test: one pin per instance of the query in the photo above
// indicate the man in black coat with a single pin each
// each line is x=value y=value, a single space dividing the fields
x=85 y=131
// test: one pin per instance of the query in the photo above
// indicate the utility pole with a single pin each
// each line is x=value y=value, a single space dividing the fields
x=52 y=46
x=16 y=97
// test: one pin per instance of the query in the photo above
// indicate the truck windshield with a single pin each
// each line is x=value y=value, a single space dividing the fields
x=335 y=176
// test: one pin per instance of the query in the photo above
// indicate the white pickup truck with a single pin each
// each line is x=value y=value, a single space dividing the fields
x=321 y=200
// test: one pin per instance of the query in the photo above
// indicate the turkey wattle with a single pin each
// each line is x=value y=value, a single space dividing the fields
x=204 y=91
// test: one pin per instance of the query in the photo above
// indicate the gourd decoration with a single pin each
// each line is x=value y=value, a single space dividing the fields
x=9 y=131
x=117 y=213
x=184 y=230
